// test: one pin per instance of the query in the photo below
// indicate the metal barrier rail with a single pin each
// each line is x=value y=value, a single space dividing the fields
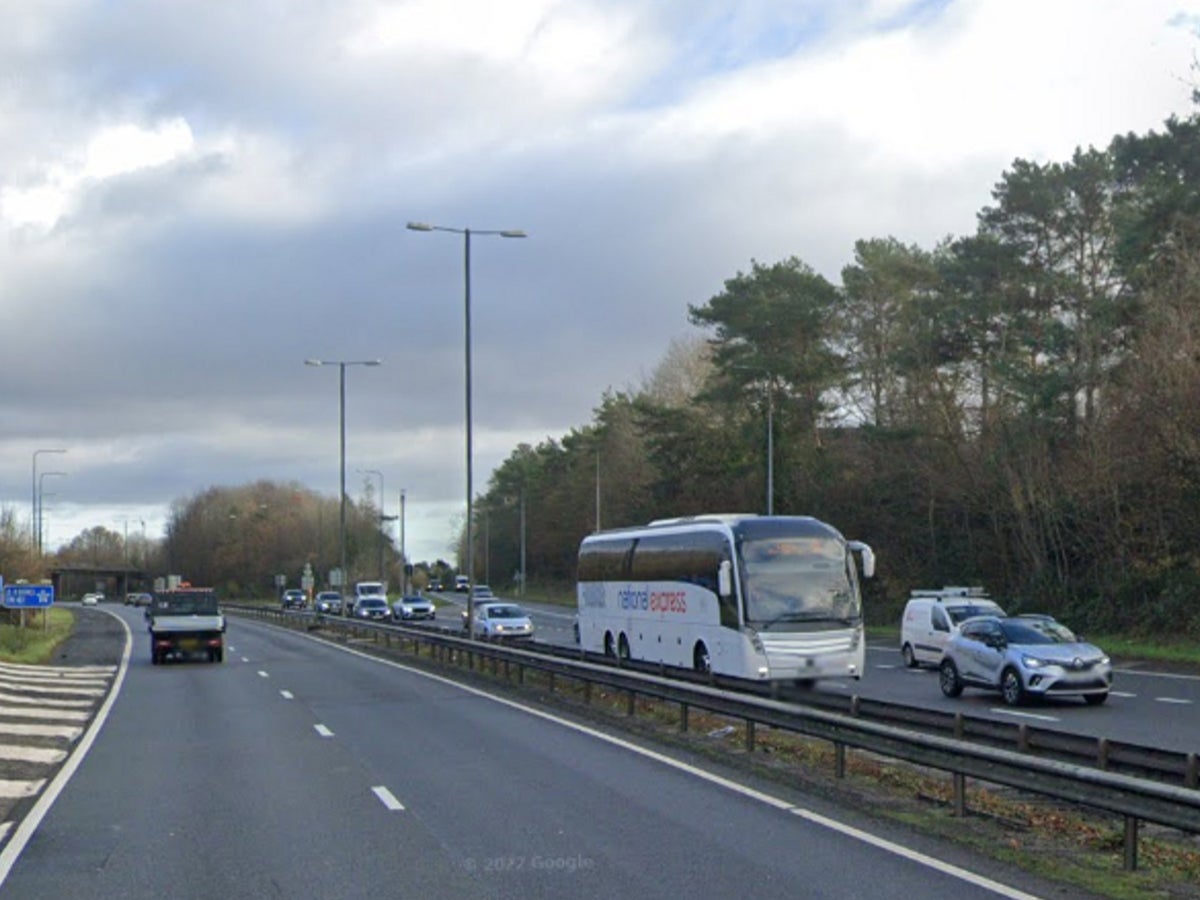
x=1135 y=799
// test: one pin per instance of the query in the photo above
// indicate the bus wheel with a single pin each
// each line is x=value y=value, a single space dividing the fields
x=608 y=644
x=701 y=661
x=623 y=648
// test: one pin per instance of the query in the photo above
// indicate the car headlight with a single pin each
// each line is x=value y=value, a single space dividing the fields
x=1032 y=662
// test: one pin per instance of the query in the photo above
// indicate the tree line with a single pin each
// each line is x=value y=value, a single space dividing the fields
x=1018 y=407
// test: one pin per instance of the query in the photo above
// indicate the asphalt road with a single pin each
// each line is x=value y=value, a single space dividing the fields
x=297 y=769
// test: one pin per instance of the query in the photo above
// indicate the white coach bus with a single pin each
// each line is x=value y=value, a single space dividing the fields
x=769 y=598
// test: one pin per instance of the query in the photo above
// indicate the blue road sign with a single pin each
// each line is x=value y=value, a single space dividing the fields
x=25 y=596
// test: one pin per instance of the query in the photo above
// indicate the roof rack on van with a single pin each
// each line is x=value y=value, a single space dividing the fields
x=949 y=592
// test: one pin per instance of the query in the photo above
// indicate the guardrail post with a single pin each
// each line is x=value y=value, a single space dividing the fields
x=1192 y=775
x=1023 y=738
x=959 y=726
x=839 y=760
x=749 y=735
x=960 y=795
x=631 y=704
x=1131 y=843
x=1102 y=748
x=683 y=717
x=855 y=706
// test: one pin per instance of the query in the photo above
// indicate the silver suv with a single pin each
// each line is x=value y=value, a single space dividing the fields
x=1024 y=657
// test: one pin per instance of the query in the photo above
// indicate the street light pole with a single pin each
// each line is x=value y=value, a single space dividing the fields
x=341 y=364
x=403 y=551
x=382 y=517
x=35 y=524
x=41 y=495
x=466 y=233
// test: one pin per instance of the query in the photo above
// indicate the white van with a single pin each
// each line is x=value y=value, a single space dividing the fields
x=931 y=616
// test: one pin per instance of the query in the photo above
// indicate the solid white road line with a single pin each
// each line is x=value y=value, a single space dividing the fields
x=1004 y=711
x=1177 y=700
x=387 y=798
x=323 y=731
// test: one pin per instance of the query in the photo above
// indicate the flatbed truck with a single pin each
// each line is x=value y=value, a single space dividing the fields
x=184 y=623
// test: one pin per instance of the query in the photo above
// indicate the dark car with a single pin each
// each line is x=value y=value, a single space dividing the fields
x=294 y=599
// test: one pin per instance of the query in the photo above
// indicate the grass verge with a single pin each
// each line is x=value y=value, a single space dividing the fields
x=35 y=643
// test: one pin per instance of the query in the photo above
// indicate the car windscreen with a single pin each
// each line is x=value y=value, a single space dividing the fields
x=959 y=614
x=501 y=611
x=189 y=603
x=1037 y=631
x=372 y=603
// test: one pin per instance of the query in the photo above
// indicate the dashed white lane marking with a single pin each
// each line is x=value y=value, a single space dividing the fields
x=42 y=755
x=69 y=732
x=323 y=731
x=1001 y=711
x=262 y=674
x=387 y=798
x=1177 y=700
x=43 y=689
x=41 y=701
x=16 y=790
x=287 y=695
x=58 y=715
x=1125 y=694
x=244 y=659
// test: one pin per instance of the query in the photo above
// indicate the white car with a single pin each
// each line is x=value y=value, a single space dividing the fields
x=932 y=617
x=407 y=608
x=91 y=599
x=500 y=621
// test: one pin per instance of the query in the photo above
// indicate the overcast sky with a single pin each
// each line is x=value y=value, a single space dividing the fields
x=196 y=196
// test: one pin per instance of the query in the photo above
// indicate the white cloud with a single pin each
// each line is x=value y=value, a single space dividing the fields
x=194 y=199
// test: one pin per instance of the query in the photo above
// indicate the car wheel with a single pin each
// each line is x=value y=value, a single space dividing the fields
x=1095 y=699
x=948 y=678
x=701 y=661
x=910 y=658
x=623 y=648
x=608 y=644
x=1011 y=687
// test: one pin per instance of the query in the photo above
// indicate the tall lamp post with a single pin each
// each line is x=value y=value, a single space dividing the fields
x=341 y=364
x=35 y=525
x=466 y=233
x=382 y=518
x=770 y=392
x=41 y=499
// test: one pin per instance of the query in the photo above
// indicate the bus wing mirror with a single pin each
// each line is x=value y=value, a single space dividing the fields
x=725 y=578
x=868 y=557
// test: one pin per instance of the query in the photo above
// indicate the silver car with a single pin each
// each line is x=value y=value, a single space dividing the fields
x=407 y=608
x=1024 y=657
x=498 y=621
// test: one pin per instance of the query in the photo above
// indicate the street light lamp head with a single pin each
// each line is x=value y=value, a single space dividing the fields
x=513 y=233
x=419 y=226
x=313 y=362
